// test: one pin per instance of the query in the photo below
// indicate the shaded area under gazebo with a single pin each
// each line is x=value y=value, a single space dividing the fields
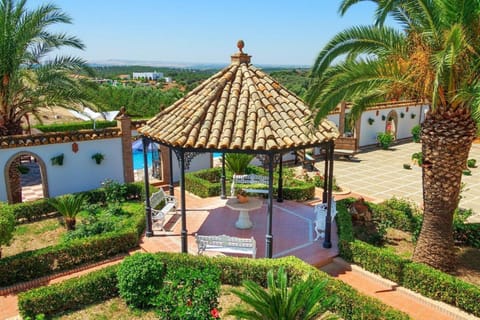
x=240 y=110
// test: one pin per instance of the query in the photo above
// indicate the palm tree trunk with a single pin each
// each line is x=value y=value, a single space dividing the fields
x=70 y=223
x=446 y=141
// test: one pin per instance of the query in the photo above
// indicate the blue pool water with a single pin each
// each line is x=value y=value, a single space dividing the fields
x=138 y=160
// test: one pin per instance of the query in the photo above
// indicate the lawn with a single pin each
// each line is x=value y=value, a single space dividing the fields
x=117 y=309
x=35 y=235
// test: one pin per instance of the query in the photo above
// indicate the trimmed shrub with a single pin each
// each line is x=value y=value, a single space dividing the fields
x=440 y=286
x=189 y=294
x=349 y=305
x=7 y=227
x=31 y=211
x=206 y=183
x=140 y=278
x=71 y=294
x=416 y=133
x=377 y=260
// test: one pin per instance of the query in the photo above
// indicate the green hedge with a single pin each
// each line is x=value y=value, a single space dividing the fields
x=417 y=277
x=35 y=210
x=34 y=264
x=206 y=183
x=75 y=126
x=441 y=286
x=72 y=294
x=94 y=287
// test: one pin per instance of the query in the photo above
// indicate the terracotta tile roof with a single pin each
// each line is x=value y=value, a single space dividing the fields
x=57 y=137
x=239 y=108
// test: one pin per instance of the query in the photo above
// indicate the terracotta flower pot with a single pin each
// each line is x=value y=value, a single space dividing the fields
x=242 y=198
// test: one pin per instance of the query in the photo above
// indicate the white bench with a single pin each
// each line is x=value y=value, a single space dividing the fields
x=226 y=244
x=158 y=215
x=249 y=179
x=320 y=211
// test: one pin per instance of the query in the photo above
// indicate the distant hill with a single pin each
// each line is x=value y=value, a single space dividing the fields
x=183 y=65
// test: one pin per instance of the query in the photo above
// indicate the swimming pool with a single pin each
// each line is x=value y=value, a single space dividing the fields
x=138 y=160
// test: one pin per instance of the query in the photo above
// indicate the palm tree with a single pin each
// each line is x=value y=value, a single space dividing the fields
x=433 y=56
x=305 y=300
x=68 y=206
x=27 y=80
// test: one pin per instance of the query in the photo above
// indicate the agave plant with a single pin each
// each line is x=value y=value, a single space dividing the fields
x=304 y=300
x=68 y=206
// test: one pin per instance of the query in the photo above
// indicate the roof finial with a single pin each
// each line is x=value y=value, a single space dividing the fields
x=240 y=45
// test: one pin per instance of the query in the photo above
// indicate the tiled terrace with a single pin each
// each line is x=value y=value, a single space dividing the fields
x=292 y=227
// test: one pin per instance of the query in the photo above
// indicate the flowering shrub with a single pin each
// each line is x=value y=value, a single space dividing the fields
x=189 y=294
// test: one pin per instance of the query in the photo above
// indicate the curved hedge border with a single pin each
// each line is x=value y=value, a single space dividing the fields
x=414 y=276
x=100 y=285
x=30 y=265
x=200 y=183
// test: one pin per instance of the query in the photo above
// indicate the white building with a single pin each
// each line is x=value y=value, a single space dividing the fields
x=148 y=75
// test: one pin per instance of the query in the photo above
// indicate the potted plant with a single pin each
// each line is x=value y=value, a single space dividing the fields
x=402 y=114
x=242 y=196
x=472 y=163
x=385 y=139
x=57 y=160
x=98 y=157
x=383 y=117
x=413 y=115
x=371 y=121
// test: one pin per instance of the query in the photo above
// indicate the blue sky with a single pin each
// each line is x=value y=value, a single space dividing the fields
x=274 y=31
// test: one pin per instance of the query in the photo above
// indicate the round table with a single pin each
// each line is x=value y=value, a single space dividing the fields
x=244 y=221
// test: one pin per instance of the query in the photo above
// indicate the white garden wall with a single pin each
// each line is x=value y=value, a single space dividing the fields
x=79 y=171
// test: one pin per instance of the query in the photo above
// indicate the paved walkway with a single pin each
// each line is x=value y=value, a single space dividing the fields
x=380 y=174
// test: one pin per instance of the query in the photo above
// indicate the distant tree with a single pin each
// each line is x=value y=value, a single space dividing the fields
x=27 y=80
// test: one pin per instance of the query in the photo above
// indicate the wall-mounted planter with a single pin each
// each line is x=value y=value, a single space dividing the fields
x=370 y=121
x=57 y=160
x=402 y=115
x=413 y=115
x=383 y=117
x=98 y=157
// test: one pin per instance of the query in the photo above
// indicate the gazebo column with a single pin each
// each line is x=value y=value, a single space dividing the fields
x=327 y=243
x=325 y=173
x=280 y=179
x=148 y=208
x=170 y=186
x=269 y=236
x=222 y=179
x=184 y=234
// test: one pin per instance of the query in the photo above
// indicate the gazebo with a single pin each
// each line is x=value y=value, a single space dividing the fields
x=239 y=110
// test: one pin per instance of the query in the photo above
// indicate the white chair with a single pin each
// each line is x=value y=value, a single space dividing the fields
x=320 y=211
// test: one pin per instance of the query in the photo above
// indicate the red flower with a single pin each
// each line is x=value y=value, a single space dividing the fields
x=189 y=302
x=214 y=312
